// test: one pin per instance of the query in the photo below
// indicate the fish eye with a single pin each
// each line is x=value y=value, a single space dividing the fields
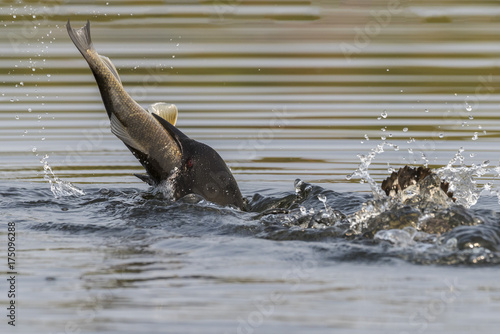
x=189 y=163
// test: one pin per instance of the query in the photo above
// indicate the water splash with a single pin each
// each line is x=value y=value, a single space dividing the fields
x=58 y=187
x=315 y=219
x=363 y=173
x=359 y=220
x=428 y=202
x=166 y=188
x=462 y=179
x=422 y=227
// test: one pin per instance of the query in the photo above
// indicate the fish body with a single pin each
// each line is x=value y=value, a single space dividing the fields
x=167 y=154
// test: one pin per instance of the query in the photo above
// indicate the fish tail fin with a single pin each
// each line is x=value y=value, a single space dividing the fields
x=81 y=38
x=83 y=42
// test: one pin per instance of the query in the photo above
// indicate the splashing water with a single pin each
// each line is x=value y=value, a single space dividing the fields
x=58 y=187
x=426 y=199
x=462 y=179
x=362 y=171
x=460 y=176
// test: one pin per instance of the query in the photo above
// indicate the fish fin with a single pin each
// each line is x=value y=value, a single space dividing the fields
x=119 y=130
x=81 y=38
x=164 y=110
x=145 y=178
x=153 y=172
x=110 y=67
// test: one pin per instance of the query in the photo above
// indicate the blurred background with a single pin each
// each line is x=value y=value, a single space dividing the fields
x=282 y=89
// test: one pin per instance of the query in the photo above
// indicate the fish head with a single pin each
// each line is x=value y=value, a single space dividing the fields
x=205 y=173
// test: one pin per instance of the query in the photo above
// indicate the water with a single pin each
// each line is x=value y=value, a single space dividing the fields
x=337 y=94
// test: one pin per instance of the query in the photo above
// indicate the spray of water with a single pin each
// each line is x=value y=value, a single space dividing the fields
x=462 y=181
x=362 y=171
x=58 y=187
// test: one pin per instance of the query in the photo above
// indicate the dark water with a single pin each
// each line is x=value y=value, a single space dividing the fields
x=282 y=90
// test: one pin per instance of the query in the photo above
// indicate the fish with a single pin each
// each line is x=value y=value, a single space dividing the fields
x=168 y=155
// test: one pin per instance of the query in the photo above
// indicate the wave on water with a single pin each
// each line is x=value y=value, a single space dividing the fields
x=421 y=224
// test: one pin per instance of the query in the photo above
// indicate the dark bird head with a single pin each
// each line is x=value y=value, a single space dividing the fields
x=201 y=171
x=205 y=173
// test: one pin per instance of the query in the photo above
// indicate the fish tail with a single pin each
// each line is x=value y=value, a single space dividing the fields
x=81 y=39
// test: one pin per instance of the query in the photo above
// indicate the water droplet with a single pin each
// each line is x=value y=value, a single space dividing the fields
x=411 y=140
x=173 y=56
x=405 y=129
x=43 y=138
x=441 y=135
x=426 y=110
x=322 y=198
x=297 y=184
x=29 y=109
x=410 y=151
x=48 y=75
x=33 y=149
x=366 y=137
x=21 y=83
x=468 y=107
x=303 y=211
x=17 y=117
x=384 y=114
x=471 y=117
x=383 y=137
x=475 y=136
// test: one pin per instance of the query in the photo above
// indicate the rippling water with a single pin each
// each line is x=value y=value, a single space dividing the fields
x=282 y=90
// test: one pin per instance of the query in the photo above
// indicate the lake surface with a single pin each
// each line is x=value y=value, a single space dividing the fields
x=283 y=90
